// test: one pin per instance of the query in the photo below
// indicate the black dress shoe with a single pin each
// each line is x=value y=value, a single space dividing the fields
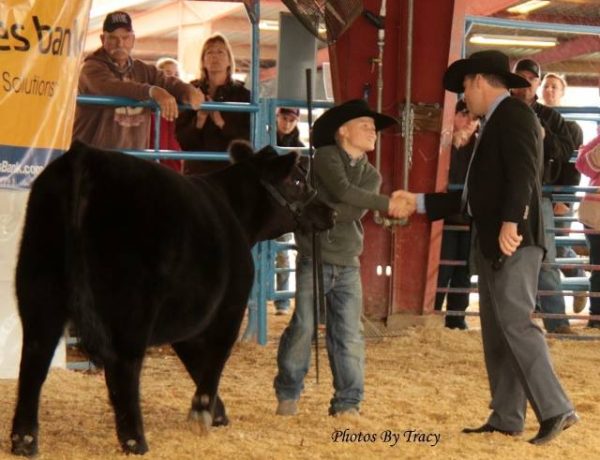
x=487 y=428
x=456 y=323
x=552 y=427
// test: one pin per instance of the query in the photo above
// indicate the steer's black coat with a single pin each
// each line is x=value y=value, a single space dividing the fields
x=135 y=255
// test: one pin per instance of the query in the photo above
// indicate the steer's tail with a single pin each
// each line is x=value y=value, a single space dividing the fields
x=92 y=330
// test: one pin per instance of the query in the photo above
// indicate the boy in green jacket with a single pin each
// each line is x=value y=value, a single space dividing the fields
x=346 y=181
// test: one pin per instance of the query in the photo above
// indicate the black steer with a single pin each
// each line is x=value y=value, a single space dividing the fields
x=137 y=255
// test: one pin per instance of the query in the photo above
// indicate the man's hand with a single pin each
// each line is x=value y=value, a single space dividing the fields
x=561 y=209
x=166 y=102
x=402 y=204
x=194 y=97
x=509 y=239
x=460 y=137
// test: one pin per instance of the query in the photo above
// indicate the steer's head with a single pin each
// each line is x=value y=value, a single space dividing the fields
x=289 y=202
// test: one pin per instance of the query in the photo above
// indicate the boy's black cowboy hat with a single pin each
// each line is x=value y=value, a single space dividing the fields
x=327 y=124
x=487 y=62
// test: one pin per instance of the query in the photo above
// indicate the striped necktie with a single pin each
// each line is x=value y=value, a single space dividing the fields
x=464 y=205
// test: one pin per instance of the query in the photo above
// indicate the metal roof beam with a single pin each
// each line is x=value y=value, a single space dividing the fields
x=489 y=7
x=579 y=46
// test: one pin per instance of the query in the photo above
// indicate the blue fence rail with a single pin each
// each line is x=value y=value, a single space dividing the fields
x=264 y=133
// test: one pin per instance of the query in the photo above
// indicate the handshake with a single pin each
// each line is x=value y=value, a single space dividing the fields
x=402 y=204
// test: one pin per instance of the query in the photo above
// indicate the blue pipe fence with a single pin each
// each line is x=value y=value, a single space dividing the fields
x=264 y=132
x=571 y=286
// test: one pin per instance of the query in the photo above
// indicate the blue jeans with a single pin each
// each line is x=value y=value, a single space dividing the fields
x=549 y=278
x=344 y=336
x=282 y=260
x=567 y=251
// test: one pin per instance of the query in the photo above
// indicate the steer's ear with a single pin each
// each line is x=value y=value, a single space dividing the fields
x=266 y=152
x=240 y=150
x=279 y=168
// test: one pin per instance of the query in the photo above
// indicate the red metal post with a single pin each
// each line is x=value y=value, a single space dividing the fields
x=411 y=251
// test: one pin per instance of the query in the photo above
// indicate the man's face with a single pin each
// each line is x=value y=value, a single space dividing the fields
x=286 y=122
x=474 y=95
x=118 y=44
x=552 y=91
x=527 y=95
x=359 y=133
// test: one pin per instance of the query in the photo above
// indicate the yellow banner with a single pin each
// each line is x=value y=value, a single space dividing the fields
x=41 y=43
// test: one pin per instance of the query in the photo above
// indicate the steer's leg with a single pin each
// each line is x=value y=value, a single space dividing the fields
x=204 y=357
x=42 y=298
x=123 y=380
x=43 y=319
x=206 y=407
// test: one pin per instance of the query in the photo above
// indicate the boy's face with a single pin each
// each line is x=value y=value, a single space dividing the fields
x=286 y=122
x=359 y=133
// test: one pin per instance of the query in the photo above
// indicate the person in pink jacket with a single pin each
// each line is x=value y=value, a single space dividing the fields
x=588 y=163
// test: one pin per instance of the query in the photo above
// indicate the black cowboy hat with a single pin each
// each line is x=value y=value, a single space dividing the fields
x=487 y=62
x=327 y=124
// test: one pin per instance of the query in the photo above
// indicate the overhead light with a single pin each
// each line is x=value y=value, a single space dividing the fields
x=526 y=7
x=506 y=40
x=268 y=24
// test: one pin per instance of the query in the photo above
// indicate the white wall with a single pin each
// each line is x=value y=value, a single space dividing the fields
x=12 y=215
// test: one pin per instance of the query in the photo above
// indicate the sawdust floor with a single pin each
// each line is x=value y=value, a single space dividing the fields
x=428 y=380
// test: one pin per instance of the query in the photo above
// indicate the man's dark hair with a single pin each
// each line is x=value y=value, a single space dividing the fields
x=494 y=80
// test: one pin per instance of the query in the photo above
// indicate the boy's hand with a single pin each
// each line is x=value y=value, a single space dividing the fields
x=402 y=204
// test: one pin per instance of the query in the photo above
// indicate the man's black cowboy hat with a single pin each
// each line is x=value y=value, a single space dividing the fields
x=327 y=124
x=487 y=62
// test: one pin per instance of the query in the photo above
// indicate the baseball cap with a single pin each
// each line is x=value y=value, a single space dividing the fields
x=530 y=65
x=289 y=111
x=116 y=20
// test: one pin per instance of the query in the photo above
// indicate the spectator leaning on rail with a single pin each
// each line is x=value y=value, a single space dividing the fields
x=213 y=131
x=110 y=71
x=553 y=90
x=346 y=181
x=558 y=149
x=288 y=135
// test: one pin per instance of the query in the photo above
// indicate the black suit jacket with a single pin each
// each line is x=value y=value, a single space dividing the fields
x=504 y=182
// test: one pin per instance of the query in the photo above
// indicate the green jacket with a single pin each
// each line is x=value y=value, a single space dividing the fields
x=351 y=190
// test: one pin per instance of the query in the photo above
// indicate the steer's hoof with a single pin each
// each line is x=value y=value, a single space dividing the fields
x=131 y=446
x=220 y=420
x=24 y=445
x=203 y=417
